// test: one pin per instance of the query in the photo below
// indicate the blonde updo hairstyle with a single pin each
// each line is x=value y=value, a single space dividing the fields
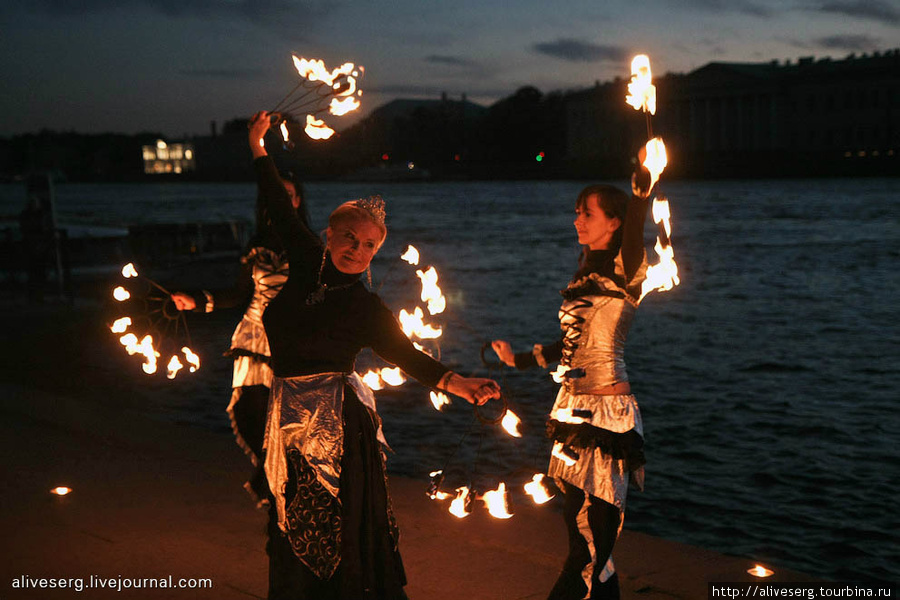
x=350 y=212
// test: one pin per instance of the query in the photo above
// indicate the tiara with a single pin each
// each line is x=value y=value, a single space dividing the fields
x=374 y=205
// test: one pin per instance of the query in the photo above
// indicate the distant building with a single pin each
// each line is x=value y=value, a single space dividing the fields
x=168 y=158
x=811 y=117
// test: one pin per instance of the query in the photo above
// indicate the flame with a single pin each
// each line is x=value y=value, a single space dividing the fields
x=511 y=423
x=173 y=367
x=439 y=400
x=656 y=159
x=641 y=91
x=535 y=488
x=372 y=380
x=192 y=359
x=284 y=131
x=342 y=107
x=760 y=571
x=317 y=129
x=559 y=375
x=129 y=271
x=314 y=70
x=61 y=490
x=458 y=506
x=431 y=293
x=662 y=276
x=661 y=214
x=121 y=294
x=565 y=415
x=144 y=347
x=558 y=453
x=392 y=376
x=496 y=502
x=120 y=325
x=413 y=325
x=411 y=255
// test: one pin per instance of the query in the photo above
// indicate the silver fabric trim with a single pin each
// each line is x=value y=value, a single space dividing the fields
x=306 y=413
x=595 y=472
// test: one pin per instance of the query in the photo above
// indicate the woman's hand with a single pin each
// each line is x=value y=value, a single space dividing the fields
x=183 y=301
x=476 y=390
x=504 y=352
x=259 y=125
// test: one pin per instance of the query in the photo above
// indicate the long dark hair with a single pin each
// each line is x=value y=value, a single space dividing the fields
x=614 y=204
x=265 y=235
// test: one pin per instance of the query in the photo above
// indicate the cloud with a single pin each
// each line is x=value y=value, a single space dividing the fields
x=453 y=61
x=747 y=7
x=875 y=10
x=579 y=51
x=257 y=11
x=854 y=43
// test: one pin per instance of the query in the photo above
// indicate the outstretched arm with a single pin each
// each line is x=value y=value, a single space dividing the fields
x=540 y=356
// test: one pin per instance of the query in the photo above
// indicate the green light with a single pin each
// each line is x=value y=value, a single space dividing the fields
x=539 y=157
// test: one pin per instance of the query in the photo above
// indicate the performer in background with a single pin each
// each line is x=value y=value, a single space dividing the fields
x=264 y=269
x=595 y=423
x=332 y=533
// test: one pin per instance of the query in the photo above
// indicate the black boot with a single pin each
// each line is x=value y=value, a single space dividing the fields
x=569 y=586
x=608 y=590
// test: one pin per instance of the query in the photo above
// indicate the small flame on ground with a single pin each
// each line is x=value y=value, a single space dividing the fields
x=372 y=380
x=121 y=294
x=760 y=571
x=535 y=488
x=558 y=453
x=496 y=502
x=129 y=271
x=458 y=506
x=192 y=359
x=511 y=423
x=120 y=325
x=392 y=376
x=173 y=367
x=317 y=129
x=439 y=400
x=61 y=490
x=411 y=255
x=641 y=91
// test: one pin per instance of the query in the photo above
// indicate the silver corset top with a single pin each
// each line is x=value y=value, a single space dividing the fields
x=595 y=328
x=270 y=271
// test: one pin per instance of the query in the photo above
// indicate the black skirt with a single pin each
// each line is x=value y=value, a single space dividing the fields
x=370 y=567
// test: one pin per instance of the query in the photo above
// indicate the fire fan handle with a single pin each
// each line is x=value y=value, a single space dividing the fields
x=492 y=420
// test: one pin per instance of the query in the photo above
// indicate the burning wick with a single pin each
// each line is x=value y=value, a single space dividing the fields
x=392 y=376
x=497 y=503
x=192 y=359
x=372 y=380
x=760 y=571
x=537 y=490
x=120 y=325
x=129 y=271
x=439 y=400
x=173 y=367
x=510 y=423
x=431 y=293
x=411 y=255
x=61 y=490
x=121 y=294
x=459 y=507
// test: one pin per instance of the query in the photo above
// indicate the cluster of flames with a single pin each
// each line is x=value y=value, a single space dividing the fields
x=641 y=96
x=144 y=345
x=496 y=501
x=339 y=85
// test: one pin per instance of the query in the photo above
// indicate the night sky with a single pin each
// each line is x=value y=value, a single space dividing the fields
x=174 y=65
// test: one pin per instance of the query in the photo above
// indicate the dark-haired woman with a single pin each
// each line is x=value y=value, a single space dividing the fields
x=263 y=270
x=595 y=423
x=332 y=534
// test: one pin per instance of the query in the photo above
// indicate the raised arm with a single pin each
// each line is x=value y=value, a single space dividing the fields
x=301 y=243
x=633 y=227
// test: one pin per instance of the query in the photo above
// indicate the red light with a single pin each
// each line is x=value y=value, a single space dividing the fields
x=385 y=156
